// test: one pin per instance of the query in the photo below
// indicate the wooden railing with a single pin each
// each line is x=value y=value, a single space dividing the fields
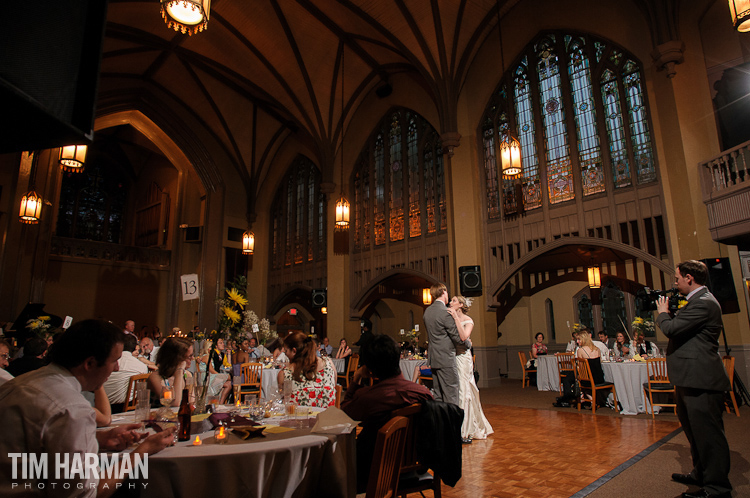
x=725 y=184
x=107 y=253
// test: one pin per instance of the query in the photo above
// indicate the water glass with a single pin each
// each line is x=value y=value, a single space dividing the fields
x=250 y=401
x=290 y=410
x=143 y=407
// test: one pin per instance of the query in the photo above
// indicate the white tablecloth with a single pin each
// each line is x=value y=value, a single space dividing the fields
x=270 y=382
x=278 y=466
x=340 y=364
x=408 y=366
x=547 y=375
x=629 y=377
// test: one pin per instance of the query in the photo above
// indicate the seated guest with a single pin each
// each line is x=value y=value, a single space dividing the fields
x=639 y=345
x=147 y=353
x=573 y=344
x=344 y=351
x=276 y=347
x=257 y=352
x=372 y=405
x=171 y=369
x=325 y=348
x=4 y=357
x=33 y=357
x=116 y=387
x=621 y=350
x=313 y=379
x=538 y=348
x=606 y=340
x=243 y=355
x=49 y=415
x=219 y=384
x=603 y=349
x=588 y=350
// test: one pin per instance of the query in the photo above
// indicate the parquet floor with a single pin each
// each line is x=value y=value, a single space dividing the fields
x=544 y=453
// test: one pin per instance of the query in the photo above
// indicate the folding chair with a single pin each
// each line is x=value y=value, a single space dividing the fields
x=658 y=382
x=386 y=461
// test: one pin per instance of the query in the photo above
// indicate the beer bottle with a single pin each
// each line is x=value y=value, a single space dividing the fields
x=183 y=415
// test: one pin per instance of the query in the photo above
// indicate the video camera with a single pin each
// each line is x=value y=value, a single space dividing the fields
x=650 y=296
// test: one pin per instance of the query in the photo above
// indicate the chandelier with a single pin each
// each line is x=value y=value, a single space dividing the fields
x=73 y=158
x=187 y=16
x=740 y=10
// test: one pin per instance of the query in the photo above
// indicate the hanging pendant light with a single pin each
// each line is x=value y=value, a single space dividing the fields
x=31 y=208
x=187 y=16
x=248 y=242
x=73 y=158
x=510 y=157
x=740 y=10
x=342 y=211
x=341 y=228
x=595 y=278
x=426 y=297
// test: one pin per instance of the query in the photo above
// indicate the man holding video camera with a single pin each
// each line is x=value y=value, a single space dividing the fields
x=696 y=370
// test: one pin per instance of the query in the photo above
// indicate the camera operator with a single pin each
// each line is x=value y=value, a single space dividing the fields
x=696 y=370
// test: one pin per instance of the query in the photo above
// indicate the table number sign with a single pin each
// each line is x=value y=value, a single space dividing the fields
x=68 y=321
x=189 y=286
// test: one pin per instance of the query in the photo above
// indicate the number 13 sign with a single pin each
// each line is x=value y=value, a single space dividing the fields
x=190 y=286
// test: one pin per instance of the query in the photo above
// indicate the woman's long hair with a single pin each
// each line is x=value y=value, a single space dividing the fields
x=305 y=360
x=586 y=341
x=170 y=355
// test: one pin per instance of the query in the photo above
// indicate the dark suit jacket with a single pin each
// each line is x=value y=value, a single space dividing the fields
x=693 y=352
x=443 y=336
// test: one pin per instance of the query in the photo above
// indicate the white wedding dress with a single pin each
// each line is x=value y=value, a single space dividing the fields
x=475 y=425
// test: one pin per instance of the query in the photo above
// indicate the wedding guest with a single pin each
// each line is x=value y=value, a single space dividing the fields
x=588 y=350
x=372 y=405
x=116 y=387
x=171 y=369
x=256 y=351
x=49 y=415
x=622 y=350
x=573 y=344
x=33 y=357
x=219 y=383
x=313 y=378
x=538 y=348
x=641 y=346
x=276 y=347
x=147 y=353
x=325 y=348
x=243 y=355
x=4 y=357
x=344 y=351
x=606 y=340
x=129 y=327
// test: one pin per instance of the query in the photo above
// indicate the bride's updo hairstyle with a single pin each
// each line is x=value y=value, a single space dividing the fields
x=465 y=304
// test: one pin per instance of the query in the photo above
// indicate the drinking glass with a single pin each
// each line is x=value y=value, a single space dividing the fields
x=236 y=384
x=143 y=407
x=290 y=410
x=250 y=401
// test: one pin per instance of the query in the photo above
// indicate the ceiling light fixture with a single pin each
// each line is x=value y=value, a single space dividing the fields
x=740 y=10
x=73 y=158
x=187 y=16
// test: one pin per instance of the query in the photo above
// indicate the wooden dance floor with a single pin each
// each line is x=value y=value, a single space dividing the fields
x=548 y=453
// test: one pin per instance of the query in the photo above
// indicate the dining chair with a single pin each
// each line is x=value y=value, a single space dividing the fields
x=410 y=463
x=131 y=397
x=564 y=365
x=729 y=366
x=586 y=381
x=658 y=382
x=252 y=378
x=424 y=376
x=386 y=461
x=350 y=369
x=338 y=395
x=525 y=381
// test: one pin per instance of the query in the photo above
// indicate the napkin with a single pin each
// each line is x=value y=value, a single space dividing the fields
x=334 y=421
x=226 y=419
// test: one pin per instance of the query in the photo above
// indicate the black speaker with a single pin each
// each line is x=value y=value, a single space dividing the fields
x=318 y=298
x=470 y=279
x=721 y=284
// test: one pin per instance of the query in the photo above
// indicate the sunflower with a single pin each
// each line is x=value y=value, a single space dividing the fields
x=231 y=314
x=238 y=298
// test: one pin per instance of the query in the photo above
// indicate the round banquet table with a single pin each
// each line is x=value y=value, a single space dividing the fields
x=547 y=375
x=628 y=377
x=270 y=382
x=340 y=364
x=408 y=366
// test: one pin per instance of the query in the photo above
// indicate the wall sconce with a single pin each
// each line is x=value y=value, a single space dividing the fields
x=73 y=158
x=188 y=16
x=426 y=297
x=248 y=242
x=595 y=279
x=740 y=10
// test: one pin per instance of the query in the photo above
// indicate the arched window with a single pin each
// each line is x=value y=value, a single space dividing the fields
x=586 y=312
x=577 y=105
x=92 y=204
x=550 y=311
x=399 y=184
x=298 y=217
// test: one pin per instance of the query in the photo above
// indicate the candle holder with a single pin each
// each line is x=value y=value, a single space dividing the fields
x=220 y=435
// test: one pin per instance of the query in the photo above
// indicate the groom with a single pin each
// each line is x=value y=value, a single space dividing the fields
x=443 y=337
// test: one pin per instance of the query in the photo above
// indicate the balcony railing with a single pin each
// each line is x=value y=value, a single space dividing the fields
x=725 y=182
x=107 y=253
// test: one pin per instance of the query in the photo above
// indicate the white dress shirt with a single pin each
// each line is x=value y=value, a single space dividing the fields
x=116 y=386
x=603 y=349
x=44 y=412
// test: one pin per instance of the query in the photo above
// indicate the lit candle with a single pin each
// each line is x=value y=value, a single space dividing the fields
x=197 y=441
x=167 y=395
x=220 y=435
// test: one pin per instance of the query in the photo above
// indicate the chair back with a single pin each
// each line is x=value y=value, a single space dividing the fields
x=522 y=359
x=729 y=367
x=252 y=377
x=386 y=461
x=565 y=362
x=338 y=395
x=583 y=371
x=350 y=369
x=131 y=397
x=410 y=462
x=657 y=371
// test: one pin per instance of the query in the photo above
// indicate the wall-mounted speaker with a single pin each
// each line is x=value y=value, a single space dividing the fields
x=721 y=284
x=470 y=280
x=318 y=298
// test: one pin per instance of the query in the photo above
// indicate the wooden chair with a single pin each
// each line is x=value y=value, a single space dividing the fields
x=729 y=366
x=410 y=463
x=350 y=369
x=525 y=381
x=338 y=395
x=586 y=381
x=658 y=382
x=131 y=398
x=252 y=378
x=565 y=364
x=386 y=461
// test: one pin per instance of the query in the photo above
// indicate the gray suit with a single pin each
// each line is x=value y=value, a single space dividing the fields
x=443 y=337
x=695 y=368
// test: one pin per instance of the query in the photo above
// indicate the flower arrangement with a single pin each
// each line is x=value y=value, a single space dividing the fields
x=238 y=323
x=39 y=326
x=646 y=326
x=576 y=327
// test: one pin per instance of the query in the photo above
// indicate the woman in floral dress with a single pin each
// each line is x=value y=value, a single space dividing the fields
x=313 y=378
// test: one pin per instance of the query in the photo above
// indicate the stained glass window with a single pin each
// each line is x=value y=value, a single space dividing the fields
x=408 y=184
x=556 y=92
x=586 y=312
x=298 y=217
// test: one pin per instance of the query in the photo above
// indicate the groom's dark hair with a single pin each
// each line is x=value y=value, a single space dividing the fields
x=381 y=356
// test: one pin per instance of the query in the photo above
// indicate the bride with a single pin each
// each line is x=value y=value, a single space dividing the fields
x=475 y=425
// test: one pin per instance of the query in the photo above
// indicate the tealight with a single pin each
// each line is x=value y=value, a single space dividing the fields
x=167 y=395
x=220 y=435
x=197 y=441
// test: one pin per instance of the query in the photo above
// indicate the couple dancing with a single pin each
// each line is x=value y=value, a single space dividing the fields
x=448 y=331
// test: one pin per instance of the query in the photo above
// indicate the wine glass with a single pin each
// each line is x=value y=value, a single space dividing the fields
x=167 y=396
